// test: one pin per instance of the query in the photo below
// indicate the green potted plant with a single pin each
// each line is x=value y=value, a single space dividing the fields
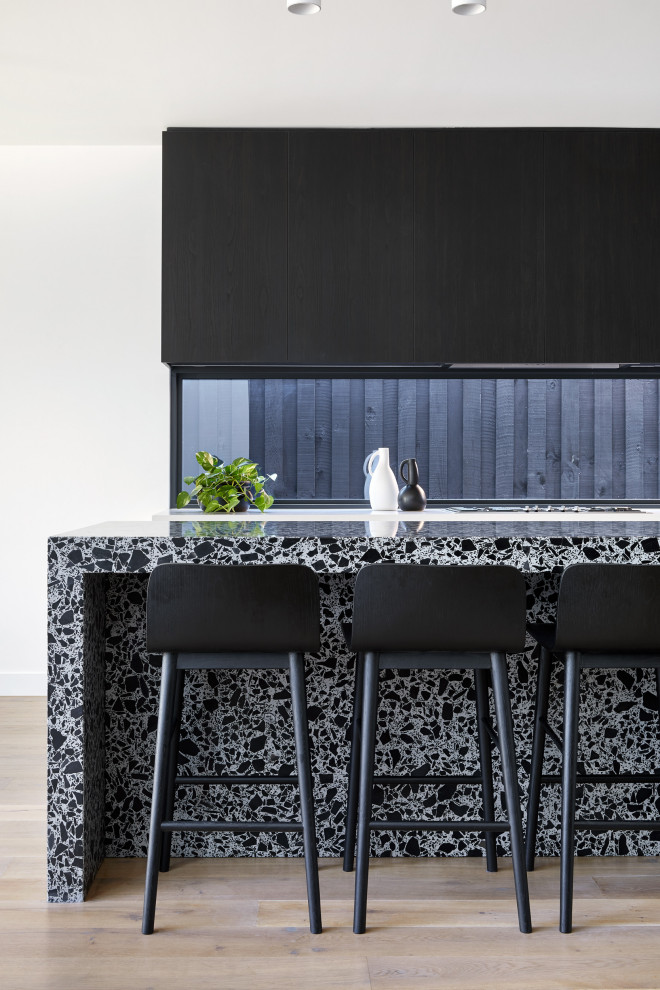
x=226 y=487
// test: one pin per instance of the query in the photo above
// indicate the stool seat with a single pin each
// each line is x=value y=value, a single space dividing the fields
x=202 y=617
x=608 y=616
x=409 y=616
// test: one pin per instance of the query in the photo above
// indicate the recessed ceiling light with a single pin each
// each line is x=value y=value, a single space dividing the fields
x=303 y=8
x=461 y=7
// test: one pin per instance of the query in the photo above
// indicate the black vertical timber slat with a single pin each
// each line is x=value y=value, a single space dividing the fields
x=257 y=424
x=650 y=441
x=472 y=438
x=306 y=444
x=406 y=427
x=634 y=402
x=618 y=440
x=340 y=403
x=520 y=438
x=356 y=440
x=536 y=439
x=602 y=438
x=586 y=441
x=323 y=438
x=275 y=437
x=391 y=416
x=553 y=437
x=504 y=455
x=455 y=439
x=438 y=438
x=290 y=434
x=422 y=431
x=374 y=430
x=488 y=437
x=570 y=439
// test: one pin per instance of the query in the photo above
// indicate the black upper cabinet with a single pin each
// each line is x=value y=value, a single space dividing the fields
x=351 y=246
x=603 y=246
x=224 y=246
x=402 y=246
x=479 y=246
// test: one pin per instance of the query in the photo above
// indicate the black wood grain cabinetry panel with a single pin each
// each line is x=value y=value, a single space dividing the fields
x=479 y=246
x=603 y=245
x=224 y=245
x=351 y=246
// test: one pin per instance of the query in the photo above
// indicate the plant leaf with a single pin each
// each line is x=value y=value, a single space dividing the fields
x=205 y=460
x=182 y=500
x=263 y=501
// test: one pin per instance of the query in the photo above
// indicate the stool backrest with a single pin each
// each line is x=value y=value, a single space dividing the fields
x=406 y=607
x=237 y=608
x=609 y=608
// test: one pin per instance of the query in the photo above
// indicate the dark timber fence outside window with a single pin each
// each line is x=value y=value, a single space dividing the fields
x=473 y=438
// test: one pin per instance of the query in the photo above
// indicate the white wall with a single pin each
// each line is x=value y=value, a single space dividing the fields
x=83 y=396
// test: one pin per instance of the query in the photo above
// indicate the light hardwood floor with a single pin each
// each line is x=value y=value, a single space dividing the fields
x=241 y=924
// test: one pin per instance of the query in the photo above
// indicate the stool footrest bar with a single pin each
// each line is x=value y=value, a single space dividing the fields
x=556 y=738
x=618 y=826
x=605 y=778
x=441 y=826
x=491 y=732
x=231 y=826
x=256 y=779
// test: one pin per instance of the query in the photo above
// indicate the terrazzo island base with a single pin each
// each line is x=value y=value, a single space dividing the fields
x=102 y=707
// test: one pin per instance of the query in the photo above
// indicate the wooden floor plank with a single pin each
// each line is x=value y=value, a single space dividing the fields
x=641 y=885
x=550 y=972
x=150 y=971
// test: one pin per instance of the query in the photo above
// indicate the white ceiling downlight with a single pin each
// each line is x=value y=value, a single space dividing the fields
x=303 y=8
x=461 y=7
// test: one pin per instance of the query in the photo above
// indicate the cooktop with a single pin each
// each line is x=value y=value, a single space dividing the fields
x=545 y=508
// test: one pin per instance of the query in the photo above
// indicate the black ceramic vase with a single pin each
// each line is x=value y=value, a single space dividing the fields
x=412 y=497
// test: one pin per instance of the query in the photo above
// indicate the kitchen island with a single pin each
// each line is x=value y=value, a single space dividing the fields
x=103 y=686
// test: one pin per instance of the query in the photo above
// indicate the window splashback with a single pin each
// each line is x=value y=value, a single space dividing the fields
x=473 y=438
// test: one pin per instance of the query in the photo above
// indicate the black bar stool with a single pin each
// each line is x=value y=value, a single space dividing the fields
x=608 y=616
x=229 y=617
x=412 y=617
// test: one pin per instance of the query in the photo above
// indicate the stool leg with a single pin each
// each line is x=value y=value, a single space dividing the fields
x=165 y=713
x=172 y=763
x=367 y=753
x=354 y=767
x=538 y=751
x=568 y=789
x=486 y=764
x=300 y=728
x=510 y=774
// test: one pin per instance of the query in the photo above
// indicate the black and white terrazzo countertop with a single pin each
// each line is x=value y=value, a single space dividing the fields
x=103 y=689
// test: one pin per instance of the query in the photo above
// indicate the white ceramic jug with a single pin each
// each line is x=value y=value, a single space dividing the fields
x=383 y=490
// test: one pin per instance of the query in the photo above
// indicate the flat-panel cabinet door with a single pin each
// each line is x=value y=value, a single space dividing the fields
x=603 y=246
x=224 y=245
x=479 y=246
x=350 y=246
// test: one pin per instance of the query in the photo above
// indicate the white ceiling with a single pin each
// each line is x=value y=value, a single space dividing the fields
x=121 y=71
